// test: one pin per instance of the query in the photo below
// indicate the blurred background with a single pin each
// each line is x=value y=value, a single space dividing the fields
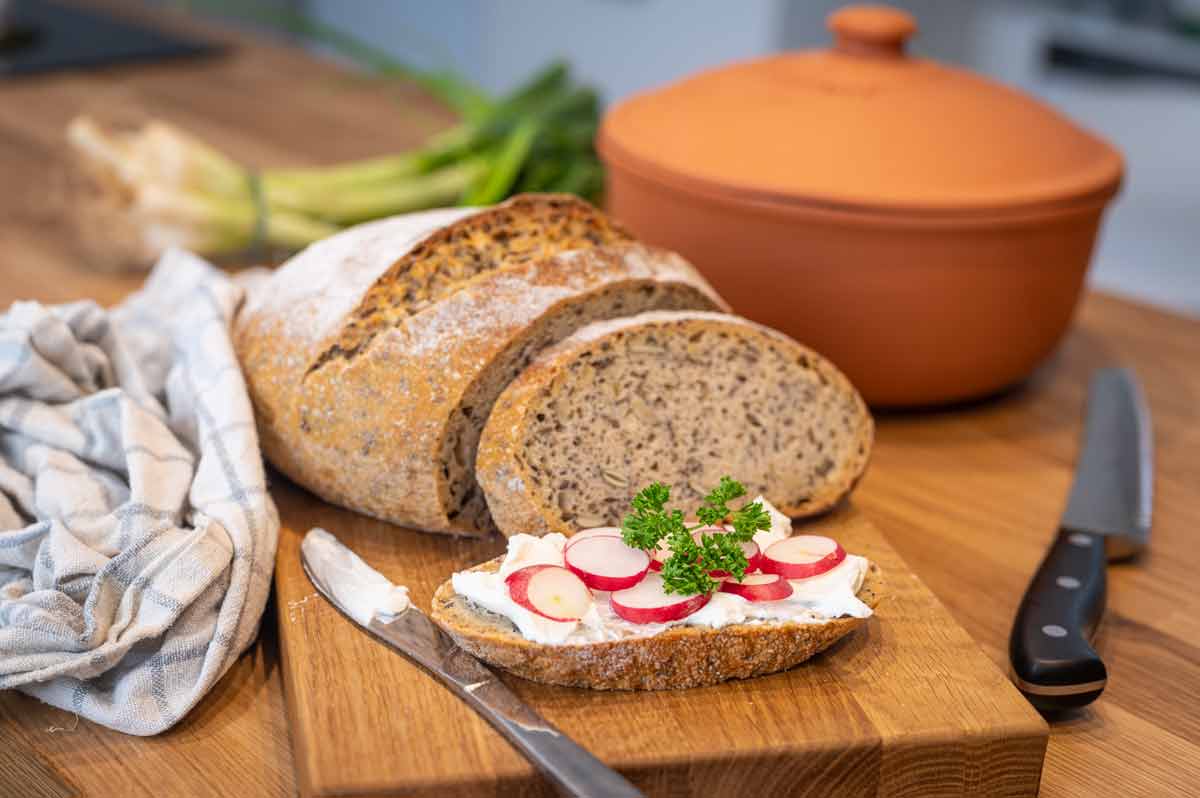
x=1127 y=69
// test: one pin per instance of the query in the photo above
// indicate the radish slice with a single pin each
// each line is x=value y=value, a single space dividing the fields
x=594 y=532
x=648 y=602
x=604 y=562
x=550 y=591
x=659 y=557
x=749 y=548
x=802 y=556
x=759 y=587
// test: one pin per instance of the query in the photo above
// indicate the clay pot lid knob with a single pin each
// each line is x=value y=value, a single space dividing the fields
x=871 y=30
x=861 y=127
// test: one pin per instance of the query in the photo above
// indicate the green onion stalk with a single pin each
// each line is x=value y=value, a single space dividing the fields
x=157 y=186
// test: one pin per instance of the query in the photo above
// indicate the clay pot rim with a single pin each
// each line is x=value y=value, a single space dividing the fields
x=616 y=156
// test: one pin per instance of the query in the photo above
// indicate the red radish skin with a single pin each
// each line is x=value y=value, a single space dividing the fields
x=802 y=556
x=749 y=548
x=660 y=556
x=759 y=587
x=647 y=602
x=550 y=591
x=606 y=563
x=593 y=532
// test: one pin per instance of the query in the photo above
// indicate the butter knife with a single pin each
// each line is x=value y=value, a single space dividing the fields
x=366 y=597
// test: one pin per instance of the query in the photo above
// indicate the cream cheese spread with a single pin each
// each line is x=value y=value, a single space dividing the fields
x=814 y=600
x=357 y=588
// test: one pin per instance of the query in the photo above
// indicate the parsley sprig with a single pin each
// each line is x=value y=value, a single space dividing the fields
x=651 y=525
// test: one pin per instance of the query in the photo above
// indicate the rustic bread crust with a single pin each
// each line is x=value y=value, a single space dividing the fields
x=382 y=452
x=680 y=657
x=366 y=430
x=508 y=480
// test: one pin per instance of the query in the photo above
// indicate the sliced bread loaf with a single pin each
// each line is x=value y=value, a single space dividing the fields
x=329 y=301
x=680 y=657
x=406 y=413
x=372 y=366
x=677 y=397
x=529 y=227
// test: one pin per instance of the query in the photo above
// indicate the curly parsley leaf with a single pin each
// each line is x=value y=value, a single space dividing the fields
x=714 y=509
x=651 y=526
x=721 y=552
x=650 y=522
x=652 y=498
x=686 y=576
x=751 y=518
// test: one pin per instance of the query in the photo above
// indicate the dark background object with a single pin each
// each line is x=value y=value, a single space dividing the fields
x=37 y=36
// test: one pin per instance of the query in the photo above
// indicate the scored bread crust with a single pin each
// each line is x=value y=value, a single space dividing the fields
x=324 y=308
x=519 y=505
x=367 y=430
x=385 y=453
x=680 y=657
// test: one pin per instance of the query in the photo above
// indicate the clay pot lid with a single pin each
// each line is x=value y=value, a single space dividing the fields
x=861 y=125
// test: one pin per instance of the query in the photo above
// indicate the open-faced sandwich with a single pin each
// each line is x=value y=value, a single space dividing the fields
x=661 y=603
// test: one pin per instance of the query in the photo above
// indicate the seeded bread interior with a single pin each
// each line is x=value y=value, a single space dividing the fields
x=373 y=358
x=677 y=397
x=467 y=504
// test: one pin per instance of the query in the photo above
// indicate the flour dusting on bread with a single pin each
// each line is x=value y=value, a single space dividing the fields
x=373 y=358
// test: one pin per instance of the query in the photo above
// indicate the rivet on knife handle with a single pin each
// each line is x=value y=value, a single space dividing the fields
x=1107 y=518
x=1053 y=663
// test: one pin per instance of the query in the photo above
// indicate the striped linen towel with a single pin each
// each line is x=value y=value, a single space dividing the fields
x=137 y=538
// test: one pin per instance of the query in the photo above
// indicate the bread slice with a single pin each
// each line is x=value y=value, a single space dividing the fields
x=408 y=412
x=677 y=397
x=371 y=376
x=682 y=656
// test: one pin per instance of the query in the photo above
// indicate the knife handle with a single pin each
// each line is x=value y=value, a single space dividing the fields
x=1053 y=662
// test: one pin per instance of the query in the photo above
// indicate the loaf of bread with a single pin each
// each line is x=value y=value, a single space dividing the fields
x=681 y=656
x=678 y=397
x=373 y=358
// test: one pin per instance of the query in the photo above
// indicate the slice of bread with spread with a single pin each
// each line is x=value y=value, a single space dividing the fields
x=679 y=657
x=675 y=397
x=373 y=357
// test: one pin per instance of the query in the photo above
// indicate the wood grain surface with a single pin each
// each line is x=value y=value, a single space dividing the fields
x=969 y=497
x=268 y=105
x=908 y=706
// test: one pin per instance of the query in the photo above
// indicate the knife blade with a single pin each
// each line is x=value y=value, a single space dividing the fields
x=1107 y=518
x=342 y=578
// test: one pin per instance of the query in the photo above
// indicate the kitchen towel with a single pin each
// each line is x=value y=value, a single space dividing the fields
x=137 y=538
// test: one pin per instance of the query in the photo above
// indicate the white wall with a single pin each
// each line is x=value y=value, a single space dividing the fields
x=619 y=46
x=1149 y=247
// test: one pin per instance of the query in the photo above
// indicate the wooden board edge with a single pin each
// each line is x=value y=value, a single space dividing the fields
x=1031 y=734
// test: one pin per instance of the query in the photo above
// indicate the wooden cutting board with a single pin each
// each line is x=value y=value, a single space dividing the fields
x=907 y=706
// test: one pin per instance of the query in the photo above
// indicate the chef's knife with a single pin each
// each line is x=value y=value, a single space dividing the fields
x=572 y=769
x=1107 y=518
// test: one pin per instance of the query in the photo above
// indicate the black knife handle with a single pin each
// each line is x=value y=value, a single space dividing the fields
x=1053 y=661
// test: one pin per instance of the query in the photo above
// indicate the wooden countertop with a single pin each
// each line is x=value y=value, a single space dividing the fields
x=969 y=497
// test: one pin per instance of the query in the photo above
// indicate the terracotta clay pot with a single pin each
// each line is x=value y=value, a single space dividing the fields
x=926 y=229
